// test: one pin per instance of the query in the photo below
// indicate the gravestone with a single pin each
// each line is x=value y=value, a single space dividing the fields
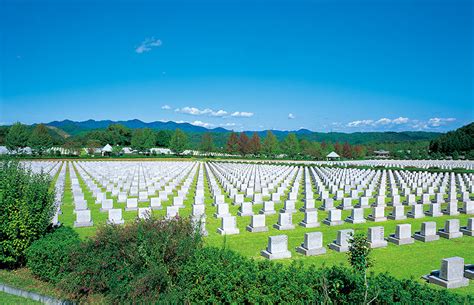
x=268 y=208
x=115 y=217
x=402 y=235
x=83 y=219
x=434 y=210
x=378 y=214
x=144 y=213
x=469 y=229
x=334 y=218
x=312 y=245
x=132 y=204
x=416 y=211
x=341 y=244
x=376 y=237
x=451 y=229
x=310 y=219
x=155 y=203
x=451 y=274
x=285 y=222
x=398 y=213
x=257 y=224
x=277 y=248
x=245 y=209
x=228 y=226
x=172 y=212
x=289 y=207
x=357 y=216
x=199 y=210
x=107 y=204
x=427 y=233
x=222 y=210
x=328 y=204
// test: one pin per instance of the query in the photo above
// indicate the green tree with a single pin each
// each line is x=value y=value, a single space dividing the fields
x=291 y=146
x=143 y=139
x=117 y=134
x=358 y=256
x=179 y=141
x=163 y=138
x=17 y=137
x=26 y=209
x=207 y=144
x=270 y=144
x=232 y=145
x=40 y=139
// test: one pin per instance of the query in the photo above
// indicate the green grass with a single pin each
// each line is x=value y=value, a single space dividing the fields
x=22 y=278
x=407 y=261
x=9 y=299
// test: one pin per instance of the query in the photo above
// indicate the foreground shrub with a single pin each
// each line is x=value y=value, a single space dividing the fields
x=134 y=263
x=48 y=256
x=223 y=276
x=26 y=210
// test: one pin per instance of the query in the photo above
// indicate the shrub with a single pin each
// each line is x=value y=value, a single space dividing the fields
x=223 y=276
x=26 y=210
x=47 y=257
x=135 y=263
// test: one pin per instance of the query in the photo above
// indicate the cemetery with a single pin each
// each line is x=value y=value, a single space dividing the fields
x=282 y=212
x=418 y=224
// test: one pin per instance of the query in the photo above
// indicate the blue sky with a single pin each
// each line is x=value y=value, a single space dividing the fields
x=323 y=65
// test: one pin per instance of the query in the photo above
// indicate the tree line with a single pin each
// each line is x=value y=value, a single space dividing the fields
x=40 y=138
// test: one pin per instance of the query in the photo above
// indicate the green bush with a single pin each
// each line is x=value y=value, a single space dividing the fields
x=223 y=276
x=47 y=257
x=134 y=263
x=26 y=210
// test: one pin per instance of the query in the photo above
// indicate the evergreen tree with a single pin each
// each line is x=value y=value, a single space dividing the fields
x=17 y=137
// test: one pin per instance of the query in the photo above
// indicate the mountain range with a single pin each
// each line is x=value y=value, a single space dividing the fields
x=69 y=127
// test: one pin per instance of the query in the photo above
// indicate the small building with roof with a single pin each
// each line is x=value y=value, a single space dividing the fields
x=333 y=156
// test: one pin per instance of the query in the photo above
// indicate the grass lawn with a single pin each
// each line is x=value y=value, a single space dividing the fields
x=9 y=299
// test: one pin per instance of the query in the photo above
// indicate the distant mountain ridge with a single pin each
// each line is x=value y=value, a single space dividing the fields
x=75 y=128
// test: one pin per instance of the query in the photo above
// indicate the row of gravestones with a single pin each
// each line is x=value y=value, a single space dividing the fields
x=83 y=215
x=277 y=247
x=426 y=164
x=381 y=198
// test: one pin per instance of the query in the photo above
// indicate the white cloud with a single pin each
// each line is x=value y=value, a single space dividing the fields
x=202 y=124
x=213 y=113
x=360 y=123
x=400 y=120
x=383 y=121
x=291 y=116
x=197 y=111
x=229 y=125
x=436 y=122
x=242 y=114
x=219 y=113
x=147 y=45
x=166 y=107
